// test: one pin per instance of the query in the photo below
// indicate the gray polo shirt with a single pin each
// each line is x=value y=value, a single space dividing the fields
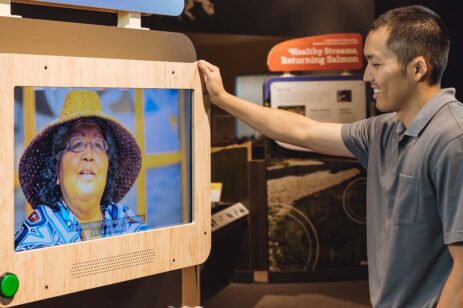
x=414 y=199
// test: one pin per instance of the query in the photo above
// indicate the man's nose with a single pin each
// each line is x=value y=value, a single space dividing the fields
x=367 y=77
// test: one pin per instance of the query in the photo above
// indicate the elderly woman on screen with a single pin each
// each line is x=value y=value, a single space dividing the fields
x=74 y=172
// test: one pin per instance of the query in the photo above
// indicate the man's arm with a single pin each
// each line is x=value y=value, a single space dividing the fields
x=277 y=124
x=452 y=294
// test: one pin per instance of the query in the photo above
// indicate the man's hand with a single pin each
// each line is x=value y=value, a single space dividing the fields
x=213 y=80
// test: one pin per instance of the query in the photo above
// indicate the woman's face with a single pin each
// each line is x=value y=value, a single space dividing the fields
x=83 y=166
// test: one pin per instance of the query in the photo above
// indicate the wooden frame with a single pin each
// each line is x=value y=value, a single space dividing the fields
x=59 y=270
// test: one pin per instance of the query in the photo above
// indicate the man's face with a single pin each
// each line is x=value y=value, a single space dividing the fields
x=392 y=86
x=82 y=175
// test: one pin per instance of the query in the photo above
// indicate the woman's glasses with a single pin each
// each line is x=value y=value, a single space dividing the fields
x=78 y=145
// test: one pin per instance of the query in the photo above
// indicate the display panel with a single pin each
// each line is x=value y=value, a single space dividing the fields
x=322 y=194
x=175 y=237
x=77 y=176
x=161 y=7
x=336 y=99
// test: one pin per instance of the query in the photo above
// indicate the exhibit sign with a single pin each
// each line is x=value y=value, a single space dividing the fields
x=335 y=99
x=228 y=215
x=161 y=7
x=341 y=51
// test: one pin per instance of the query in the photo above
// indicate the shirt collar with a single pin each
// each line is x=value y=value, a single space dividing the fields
x=426 y=113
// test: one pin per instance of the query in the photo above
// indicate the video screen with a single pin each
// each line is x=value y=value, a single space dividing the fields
x=98 y=162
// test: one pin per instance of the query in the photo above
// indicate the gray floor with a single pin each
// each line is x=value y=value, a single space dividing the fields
x=349 y=294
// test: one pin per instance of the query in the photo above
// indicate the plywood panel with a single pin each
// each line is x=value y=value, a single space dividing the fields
x=32 y=36
x=59 y=270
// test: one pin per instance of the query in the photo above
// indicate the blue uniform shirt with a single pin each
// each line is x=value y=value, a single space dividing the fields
x=47 y=227
x=414 y=199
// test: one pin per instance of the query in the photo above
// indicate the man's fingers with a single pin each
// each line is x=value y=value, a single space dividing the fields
x=207 y=67
x=203 y=68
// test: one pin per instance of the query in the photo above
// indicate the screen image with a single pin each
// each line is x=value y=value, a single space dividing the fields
x=344 y=96
x=99 y=162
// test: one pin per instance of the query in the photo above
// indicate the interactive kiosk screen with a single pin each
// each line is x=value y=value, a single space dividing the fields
x=99 y=162
x=105 y=169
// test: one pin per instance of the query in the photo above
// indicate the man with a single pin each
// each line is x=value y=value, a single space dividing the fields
x=413 y=154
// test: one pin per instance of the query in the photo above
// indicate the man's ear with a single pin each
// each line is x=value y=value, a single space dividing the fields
x=420 y=68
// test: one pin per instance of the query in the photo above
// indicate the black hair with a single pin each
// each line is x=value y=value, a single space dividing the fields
x=49 y=192
x=416 y=31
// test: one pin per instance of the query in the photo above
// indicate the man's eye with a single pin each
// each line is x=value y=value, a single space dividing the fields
x=376 y=65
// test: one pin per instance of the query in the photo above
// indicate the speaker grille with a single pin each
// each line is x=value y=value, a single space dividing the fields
x=113 y=263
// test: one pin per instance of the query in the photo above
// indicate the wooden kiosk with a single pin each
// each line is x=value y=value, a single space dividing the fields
x=133 y=60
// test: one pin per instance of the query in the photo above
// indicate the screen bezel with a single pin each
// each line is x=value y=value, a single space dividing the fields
x=47 y=272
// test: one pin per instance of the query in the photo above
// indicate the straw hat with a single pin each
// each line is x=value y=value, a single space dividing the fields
x=79 y=104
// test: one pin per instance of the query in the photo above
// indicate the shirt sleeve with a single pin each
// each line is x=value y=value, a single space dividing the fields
x=357 y=137
x=448 y=178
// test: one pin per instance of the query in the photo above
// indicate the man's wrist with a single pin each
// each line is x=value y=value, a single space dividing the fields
x=220 y=98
